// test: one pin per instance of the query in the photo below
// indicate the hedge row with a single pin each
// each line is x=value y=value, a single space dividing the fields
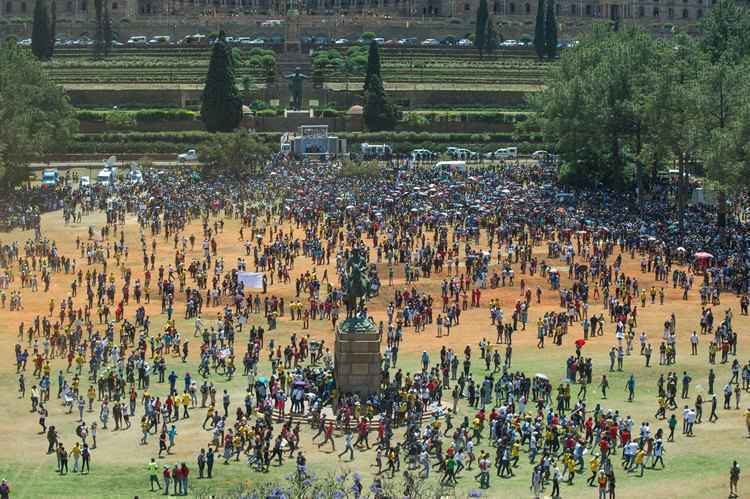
x=472 y=117
x=141 y=116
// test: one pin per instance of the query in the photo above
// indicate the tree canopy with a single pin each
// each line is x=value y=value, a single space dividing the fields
x=623 y=104
x=37 y=118
x=235 y=155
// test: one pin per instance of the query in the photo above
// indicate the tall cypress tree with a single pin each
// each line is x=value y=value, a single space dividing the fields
x=539 y=28
x=550 y=31
x=106 y=30
x=480 y=35
x=52 y=29
x=492 y=36
x=221 y=107
x=99 y=31
x=40 y=31
x=378 y=113
x=373 y=63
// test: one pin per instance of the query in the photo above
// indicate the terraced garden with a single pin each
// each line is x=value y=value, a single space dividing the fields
x=413 y=68
x=162 y=66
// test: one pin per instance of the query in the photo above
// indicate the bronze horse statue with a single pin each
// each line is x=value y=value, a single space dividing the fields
x=357 y=283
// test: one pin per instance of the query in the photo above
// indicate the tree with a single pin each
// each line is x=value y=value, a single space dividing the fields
x=726 y=31
x=594 y=108
x=373 y=63
x=235 y=154
x=480 y=35
x=36 y=115
x=492 y=38
x=52 y=29
x=550 y=31
x=40 y=38
x=221 y=107
x=539 y=45
x=98 y=46
x=379 y=114
x=106 y=31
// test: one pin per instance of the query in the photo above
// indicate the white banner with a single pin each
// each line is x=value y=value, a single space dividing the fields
x=250 y=279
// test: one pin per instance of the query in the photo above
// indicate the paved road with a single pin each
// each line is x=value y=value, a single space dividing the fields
x=64 y=165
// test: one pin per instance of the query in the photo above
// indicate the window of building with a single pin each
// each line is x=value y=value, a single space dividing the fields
x=512 y=8
x=685 y=14
x=9 y=7
x=23 y=7
x=495 y=7
x=573 y=10
x=588 y=10
x=656 y=11
x=114 y=5
x=557 y=9
x=527 y=8
x=69 y=7
x=641 y=11
x=467 y=7
x=670 y=13
x=699 y=14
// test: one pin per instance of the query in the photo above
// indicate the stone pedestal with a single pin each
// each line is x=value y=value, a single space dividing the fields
x=357 y=357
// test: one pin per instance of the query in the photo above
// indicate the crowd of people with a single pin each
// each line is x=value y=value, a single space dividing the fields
x=114 y=342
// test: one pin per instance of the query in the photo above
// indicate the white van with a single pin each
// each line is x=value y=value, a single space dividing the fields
x=106 y=176
x=376 y=150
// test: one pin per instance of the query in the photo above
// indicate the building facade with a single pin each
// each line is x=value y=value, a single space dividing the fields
x=657 y=10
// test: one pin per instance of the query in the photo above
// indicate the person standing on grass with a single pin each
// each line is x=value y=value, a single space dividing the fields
x=734 y=478
x=153 y=477
x=86 y=457
x=4 y=490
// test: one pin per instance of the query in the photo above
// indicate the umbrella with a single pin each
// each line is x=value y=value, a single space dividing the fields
x=262 y=379
x=681 y=249
x=703 y=254
x=541 y=376
x=580 y=342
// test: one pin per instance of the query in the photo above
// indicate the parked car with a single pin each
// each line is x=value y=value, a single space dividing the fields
x=465 y=42
x=271 y=23
x=341 y=41
x=189 y=155
x=407 y=41
x=379 y=41
x=540 y=154
x=137 y=40
x=257 y=41
x=159 y=39
x=503 y=153
x=25 y=42
x=461 y=153
x=422 y=155
x=430 y=42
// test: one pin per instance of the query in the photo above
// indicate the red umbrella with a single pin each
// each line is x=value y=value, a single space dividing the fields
x=703 y=254
x=580 y=342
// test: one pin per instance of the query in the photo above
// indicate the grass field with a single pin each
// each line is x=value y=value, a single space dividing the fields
x=695 y=467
